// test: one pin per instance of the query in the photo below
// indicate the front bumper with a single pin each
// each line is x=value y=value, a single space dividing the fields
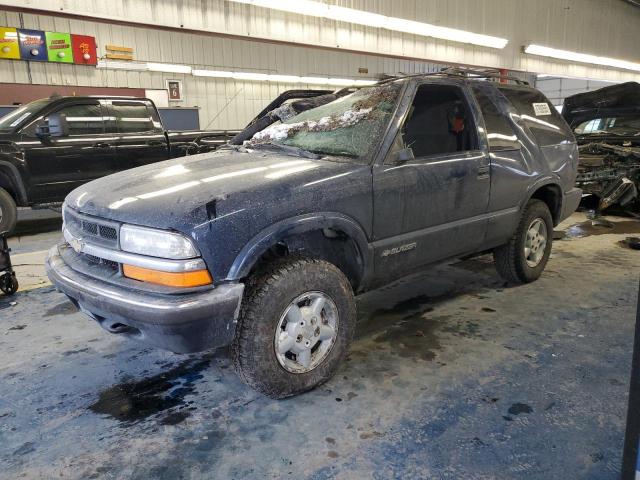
x=570 y=202
x=181 y=323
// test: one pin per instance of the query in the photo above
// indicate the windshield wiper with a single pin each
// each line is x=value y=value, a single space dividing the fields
x=605 y=132
x=289 y=149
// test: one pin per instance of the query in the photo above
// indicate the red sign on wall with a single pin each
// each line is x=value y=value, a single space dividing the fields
x=84 y=49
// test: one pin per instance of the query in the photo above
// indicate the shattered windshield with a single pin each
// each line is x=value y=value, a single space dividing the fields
x=628 y=125
x=349 y=126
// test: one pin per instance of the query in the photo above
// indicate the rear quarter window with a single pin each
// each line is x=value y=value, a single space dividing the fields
x=500 y=134
x=539 y=115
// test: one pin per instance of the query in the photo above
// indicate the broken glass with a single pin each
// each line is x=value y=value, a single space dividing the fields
x=350 y=126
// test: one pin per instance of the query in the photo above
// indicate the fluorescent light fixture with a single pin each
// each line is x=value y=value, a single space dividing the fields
x=266 y=77
x=256 y=77
x=168 y=68
x=369 y=19
x=247 y=76
x=122 y=65
x=581 y=57
x=284 y=78
x=211 y=73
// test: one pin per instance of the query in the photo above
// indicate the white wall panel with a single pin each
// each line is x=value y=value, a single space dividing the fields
x=224 y=104
x=605 y=27
x=557 y=89
x=601 y=27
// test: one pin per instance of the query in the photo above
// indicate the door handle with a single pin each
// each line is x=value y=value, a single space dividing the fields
x=154 y=143
x=483 y=172
x=101 y=145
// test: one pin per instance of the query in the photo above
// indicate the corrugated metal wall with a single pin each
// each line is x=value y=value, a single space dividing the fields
x=600 y=27
x=557 y=89
x=224 y=104
x=605 y=27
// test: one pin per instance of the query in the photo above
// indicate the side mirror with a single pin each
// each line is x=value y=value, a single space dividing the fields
x=405 y=155
x=55 y=125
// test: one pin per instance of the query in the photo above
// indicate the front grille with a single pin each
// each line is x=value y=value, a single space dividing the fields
x=92 y=229
x=101 y=261
x=108 y=232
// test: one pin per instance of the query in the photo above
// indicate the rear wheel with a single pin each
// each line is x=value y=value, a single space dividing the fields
x=524 y=257
x=295 y=326
x=8 y=211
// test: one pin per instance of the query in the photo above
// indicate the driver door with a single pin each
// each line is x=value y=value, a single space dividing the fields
x=431 y=192
x=70 y=156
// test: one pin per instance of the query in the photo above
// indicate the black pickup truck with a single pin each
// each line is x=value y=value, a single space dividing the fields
x=51 y=146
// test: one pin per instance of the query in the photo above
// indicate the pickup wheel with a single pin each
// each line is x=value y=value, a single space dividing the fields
x=523 y=259
x=8 y=211
x=295 y=326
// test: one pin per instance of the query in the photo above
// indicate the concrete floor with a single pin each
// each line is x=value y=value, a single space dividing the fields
x=452 y=375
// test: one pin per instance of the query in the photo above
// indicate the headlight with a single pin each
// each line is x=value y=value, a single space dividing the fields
x=156 y=243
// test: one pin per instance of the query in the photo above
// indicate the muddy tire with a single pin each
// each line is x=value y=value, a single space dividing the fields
x=8 y=211
x=296 y=323
x=524 y=257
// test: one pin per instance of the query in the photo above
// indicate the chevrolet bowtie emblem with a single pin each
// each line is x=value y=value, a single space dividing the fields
x=76 y=244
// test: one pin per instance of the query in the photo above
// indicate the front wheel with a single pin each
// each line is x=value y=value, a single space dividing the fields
x=296 y=323
x=8 y=283
x=8 y=212
x=524 y=257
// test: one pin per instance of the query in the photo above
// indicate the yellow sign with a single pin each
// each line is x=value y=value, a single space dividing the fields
x=9 y=47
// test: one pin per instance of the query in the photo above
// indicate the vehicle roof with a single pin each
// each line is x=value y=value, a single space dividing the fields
x=93 y=97
x=459 y=74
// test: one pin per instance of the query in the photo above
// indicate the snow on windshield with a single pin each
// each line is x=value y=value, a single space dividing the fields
x=349 y=126
x=281 y=131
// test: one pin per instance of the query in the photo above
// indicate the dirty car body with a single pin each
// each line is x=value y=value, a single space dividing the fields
x=379 y=182
x=607 y=127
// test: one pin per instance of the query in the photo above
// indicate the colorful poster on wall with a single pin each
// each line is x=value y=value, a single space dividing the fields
x=59 y=47
x=84 y=49
x=9 y=43
x=32 y=45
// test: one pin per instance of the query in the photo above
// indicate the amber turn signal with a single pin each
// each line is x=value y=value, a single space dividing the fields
x=196 y=278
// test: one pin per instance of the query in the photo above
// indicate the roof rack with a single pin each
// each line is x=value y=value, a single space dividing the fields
x=486 y=73
x=458 y=72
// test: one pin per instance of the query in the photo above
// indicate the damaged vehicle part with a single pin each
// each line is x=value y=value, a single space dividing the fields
x=263 y=246
x=606 y=123
x=287 y=105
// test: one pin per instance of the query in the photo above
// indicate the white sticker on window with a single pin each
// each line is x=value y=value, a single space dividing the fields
x=541 y=109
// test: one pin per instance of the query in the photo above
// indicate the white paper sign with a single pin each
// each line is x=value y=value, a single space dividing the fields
x=541 y=109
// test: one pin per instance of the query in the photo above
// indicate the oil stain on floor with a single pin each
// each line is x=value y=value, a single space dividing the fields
x=602 y=227
x=166 y=392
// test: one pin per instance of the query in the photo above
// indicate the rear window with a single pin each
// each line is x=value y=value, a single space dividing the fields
x=499 y=133
x=132 y=117
x=537 y=113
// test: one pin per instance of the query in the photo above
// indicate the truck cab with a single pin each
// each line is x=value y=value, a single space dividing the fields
x=51 y=146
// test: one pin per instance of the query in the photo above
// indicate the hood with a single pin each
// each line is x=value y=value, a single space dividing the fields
x=189 y=191
x=622 y=98
x=8 y=137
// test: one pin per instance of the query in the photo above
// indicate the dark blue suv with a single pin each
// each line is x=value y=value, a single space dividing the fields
x=264 y=243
